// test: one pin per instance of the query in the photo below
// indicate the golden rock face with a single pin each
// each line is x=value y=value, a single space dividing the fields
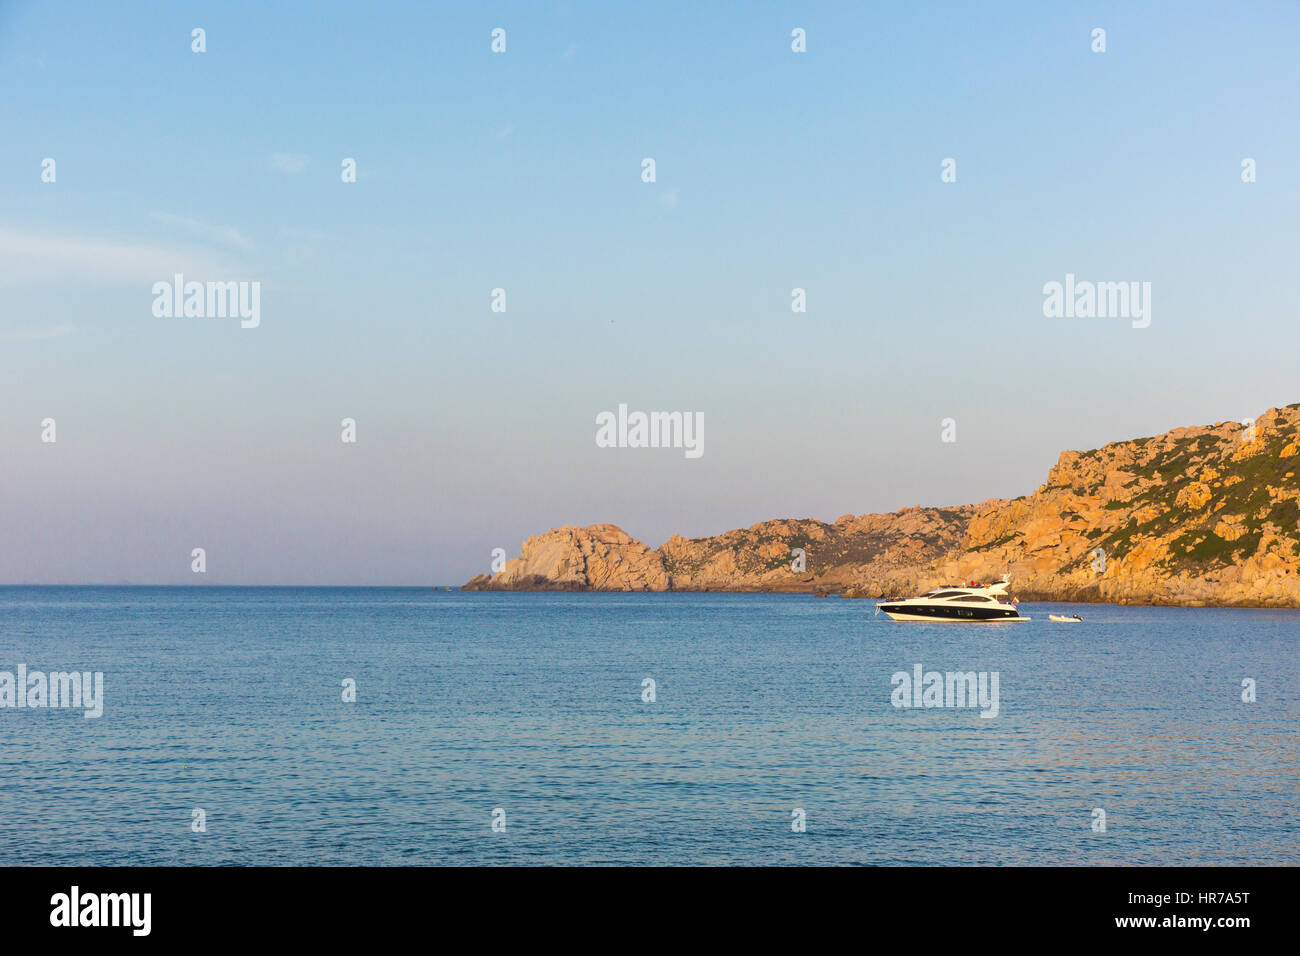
x=1205 y=515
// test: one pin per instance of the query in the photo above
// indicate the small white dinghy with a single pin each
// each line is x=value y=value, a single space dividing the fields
x=1063 y=619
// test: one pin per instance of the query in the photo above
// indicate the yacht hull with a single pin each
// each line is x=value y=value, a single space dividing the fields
x=951 y=615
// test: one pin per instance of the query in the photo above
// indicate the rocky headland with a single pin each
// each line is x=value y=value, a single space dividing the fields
x=1203 y=516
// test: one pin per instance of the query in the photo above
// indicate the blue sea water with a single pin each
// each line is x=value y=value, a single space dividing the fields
x=229 y=700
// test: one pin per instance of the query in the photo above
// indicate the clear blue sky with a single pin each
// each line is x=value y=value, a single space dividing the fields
x=522 y=170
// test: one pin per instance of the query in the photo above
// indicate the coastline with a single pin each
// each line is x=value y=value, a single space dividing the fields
x=1024 y=596
x=1205 y=516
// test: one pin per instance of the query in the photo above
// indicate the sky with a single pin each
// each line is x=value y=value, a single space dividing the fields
x=522 y=170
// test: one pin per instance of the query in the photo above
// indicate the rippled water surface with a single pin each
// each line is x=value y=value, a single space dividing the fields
x=229 y=700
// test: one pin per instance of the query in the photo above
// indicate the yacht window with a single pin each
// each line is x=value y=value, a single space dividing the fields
x=974 y=597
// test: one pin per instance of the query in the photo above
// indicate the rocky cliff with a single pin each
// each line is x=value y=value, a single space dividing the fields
x=1196 y=516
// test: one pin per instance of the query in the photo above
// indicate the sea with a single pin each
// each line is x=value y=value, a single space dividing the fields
x=414 y=726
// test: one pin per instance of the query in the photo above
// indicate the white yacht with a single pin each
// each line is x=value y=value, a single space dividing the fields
x=957 y=602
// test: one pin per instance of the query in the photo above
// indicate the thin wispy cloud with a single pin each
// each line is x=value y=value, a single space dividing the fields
x=38 y=335
x=292 y=163
x=30 y=257
x=222 y=235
